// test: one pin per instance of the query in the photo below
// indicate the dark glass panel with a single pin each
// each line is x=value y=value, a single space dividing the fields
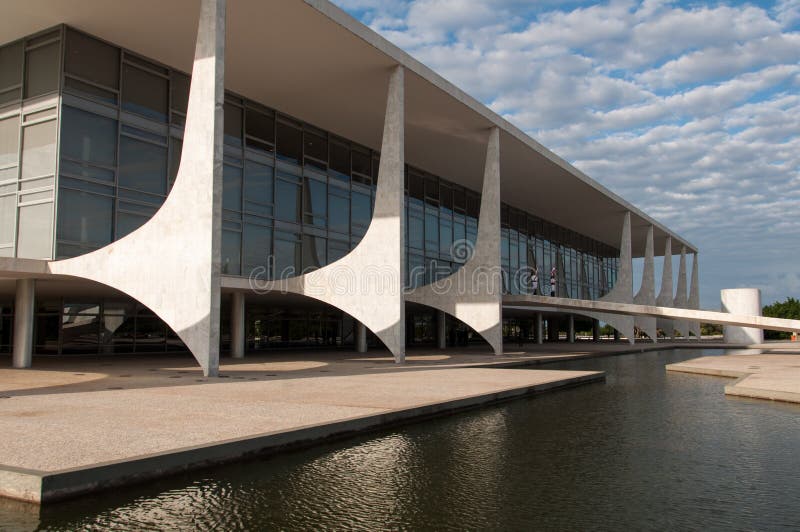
x=459 y=200
x=289 y=143
x=46 y=328
x=314 y=252
x=180 y=91
x=88 y=137
x=83 y=217
x=336 y=250
x=256 y=247
x=11 y=65
x=142 y=166
x=340 y=159
x=416 y=188
x=339 y=218
x=175 y=152
x=432 y=190
x=128 y=223
x=445 y=237
x=446 y=197
x=473 y=205
x=362 y=162
x=92 y=60
x=316 y=202
x=316 y=146
x=258 y=188
x=150 y=334
x=80 y=328
x=431 y=233
x=288 y=201
x=233 y=125
x=231 y=188
x=361 y=209
x=416 y=231
x=231 y=252
x=259 y=125
x=144 y=93
x=89 y=91
x=287 y=257
x=41 y=70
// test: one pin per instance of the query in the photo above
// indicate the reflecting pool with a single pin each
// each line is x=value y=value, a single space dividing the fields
x=645 y=450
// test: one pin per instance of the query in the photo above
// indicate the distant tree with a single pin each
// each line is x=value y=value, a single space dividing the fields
x=789 y=310
x=710 y=329
x=607 y=330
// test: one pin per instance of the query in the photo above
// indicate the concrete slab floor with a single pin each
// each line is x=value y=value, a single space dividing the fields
x=76 y=414
x=770 y=372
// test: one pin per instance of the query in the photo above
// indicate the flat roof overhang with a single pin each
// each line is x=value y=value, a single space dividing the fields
x=309 y=59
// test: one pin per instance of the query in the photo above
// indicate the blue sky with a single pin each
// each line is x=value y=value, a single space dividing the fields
x=690 y=110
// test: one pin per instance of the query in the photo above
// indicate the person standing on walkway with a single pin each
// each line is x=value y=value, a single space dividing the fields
x=535 y=281
x=553 y=282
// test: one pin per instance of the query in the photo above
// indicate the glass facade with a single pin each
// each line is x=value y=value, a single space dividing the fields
x=295 y=197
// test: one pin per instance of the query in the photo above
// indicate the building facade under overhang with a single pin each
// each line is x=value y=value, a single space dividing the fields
x=325 y=147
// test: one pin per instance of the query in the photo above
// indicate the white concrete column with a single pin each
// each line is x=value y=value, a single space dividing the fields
x=681 y=300
x=474 y=293
x=623 y=288
x=180 y=280
x=647 y=292
x=571 y=329
x=746 y=302
x=694 y=296
x=361 y=337
x=237 y=325
x=539 y=328
x=441 y=329
x=23 y=323
x=665 y=297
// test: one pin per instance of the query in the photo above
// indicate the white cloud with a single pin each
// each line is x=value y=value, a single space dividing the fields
x=692 y=113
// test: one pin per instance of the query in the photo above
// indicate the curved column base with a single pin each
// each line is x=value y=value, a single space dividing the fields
x=648 y=326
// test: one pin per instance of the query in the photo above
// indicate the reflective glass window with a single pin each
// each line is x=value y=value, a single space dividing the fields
x=316 y=146
x=416 y=230
x=144 y=93
x=445 y=236
x=9 y=141
x=85 y=218
x=261 y=126
x=232 y=188
x=258 y=188
x=336 y=250
x=41 y=70
x=314 y=252
x=289 y=143
x=431 y=233
x=11 y=70
x=339 y=217
x=361 y=209
x=316 y=202
x=233 y=125
x=175 y=152
x=231 y=252
x=128 y=223
x=361 y=162
x=180 y=91
x=287 y=257
x=340 y=160
x=256 y=247
x=88 y=137
x=92 y=60
x=142 y=166
x=288 y=201
x=39 y=149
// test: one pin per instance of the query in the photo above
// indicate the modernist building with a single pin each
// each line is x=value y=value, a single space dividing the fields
x=277 y=174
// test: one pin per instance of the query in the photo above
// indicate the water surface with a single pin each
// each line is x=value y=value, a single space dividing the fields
x=646 y=450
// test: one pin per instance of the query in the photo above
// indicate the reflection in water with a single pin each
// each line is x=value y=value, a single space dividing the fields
x=645 y=450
